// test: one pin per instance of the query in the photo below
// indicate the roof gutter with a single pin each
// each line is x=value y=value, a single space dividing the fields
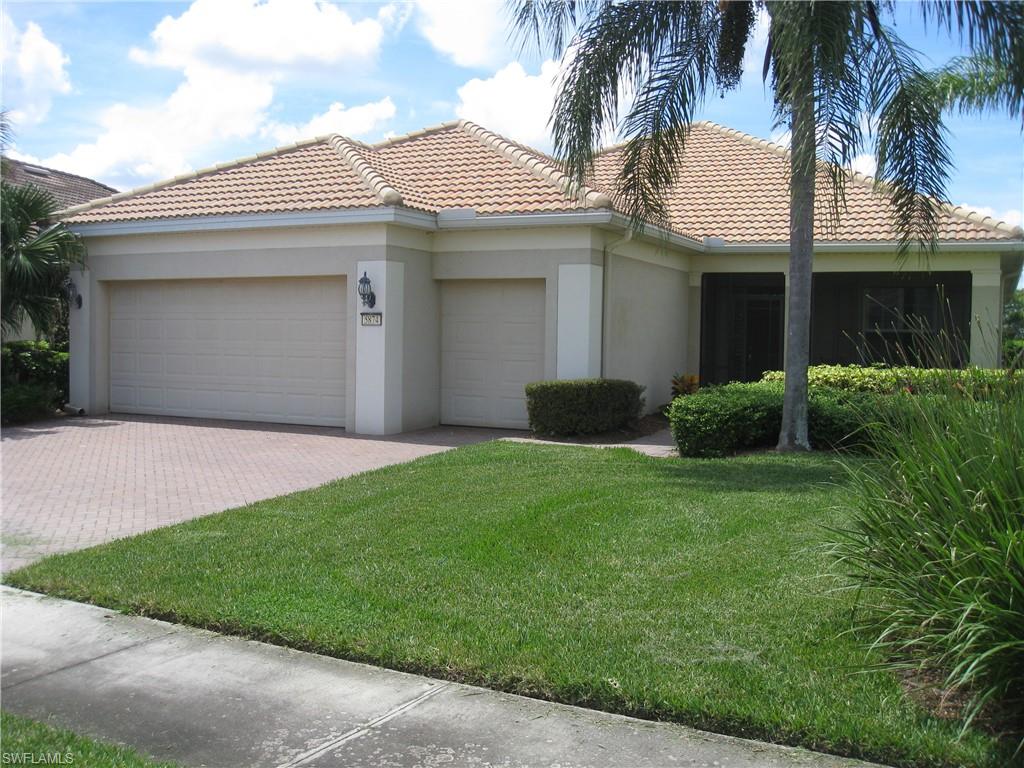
x=467 y=218
x=377 y=215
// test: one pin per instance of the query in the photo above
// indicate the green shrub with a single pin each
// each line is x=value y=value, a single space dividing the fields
x=26 y=402
x=717 y=421
x=34 y=362
x=935 y=548
x=582 y=406
x=886 y=380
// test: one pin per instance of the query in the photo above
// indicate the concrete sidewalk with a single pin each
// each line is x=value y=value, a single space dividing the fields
x=660 y=444
x=202 y=699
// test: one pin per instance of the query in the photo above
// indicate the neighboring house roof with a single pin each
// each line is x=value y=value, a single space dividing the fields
x=67 y=188
x=731 y=185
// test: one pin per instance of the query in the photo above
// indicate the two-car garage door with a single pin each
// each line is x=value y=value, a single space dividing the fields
x=257 y=350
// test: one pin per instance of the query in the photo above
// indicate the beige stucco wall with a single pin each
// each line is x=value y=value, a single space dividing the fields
x=421 y=342
x=646 y=317
x=649 y=300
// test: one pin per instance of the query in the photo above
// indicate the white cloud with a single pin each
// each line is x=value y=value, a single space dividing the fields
x=753 y=54
x=271 y=35
x=1012 y=216
x=865 y=163
x=512 y=102
x=35 y=68
x=139 y=144
x=352 y=121
x=232 y=54
x=472 y=34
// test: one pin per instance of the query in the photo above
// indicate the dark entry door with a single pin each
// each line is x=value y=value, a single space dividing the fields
x=742 y=326
x=763 y=344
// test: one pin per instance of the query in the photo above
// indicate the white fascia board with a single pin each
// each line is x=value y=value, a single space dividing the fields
x=432 y=222
x=382 y=215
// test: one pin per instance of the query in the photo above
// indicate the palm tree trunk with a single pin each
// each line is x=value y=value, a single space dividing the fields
x=793 y=435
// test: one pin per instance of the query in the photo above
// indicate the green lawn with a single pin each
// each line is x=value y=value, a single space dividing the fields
x=682 y=590
x=27 y=742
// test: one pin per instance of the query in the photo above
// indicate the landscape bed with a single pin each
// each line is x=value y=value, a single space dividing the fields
x=695 y=591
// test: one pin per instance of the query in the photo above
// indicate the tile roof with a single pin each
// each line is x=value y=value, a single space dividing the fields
x=730 y=185
x=734 y=186
x=67 y=188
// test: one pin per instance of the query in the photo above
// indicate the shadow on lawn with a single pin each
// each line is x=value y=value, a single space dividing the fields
x=741 y=474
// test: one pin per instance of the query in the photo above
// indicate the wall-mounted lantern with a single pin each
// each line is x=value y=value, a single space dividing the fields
x=366 y=291
x=74 y=297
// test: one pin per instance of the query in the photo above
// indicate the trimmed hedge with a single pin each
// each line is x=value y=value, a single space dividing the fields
x=27 y=402
x=718 y=421
x=33 y=380
x=582 y=406
x=885 y=380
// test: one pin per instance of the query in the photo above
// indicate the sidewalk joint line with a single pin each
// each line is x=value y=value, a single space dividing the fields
x=90 y=660
x=363 y=729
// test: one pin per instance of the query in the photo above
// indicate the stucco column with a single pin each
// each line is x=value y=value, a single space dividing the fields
x=580 y=295
x=986 y=317
x=80 y=343
x=379 y=350
x=694 y=310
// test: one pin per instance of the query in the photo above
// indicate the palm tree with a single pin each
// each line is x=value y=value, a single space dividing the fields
x=832 y=67
x=37 y=255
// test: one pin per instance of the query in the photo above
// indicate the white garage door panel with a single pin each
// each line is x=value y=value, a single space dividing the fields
x=257 y=350
x=492 y=345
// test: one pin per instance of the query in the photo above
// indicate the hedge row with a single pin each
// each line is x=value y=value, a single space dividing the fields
x=885 y=380
x=718 y=421
x=582 y=406
x=33 y=380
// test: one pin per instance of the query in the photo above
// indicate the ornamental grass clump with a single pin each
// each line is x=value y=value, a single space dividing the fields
x=936 y=546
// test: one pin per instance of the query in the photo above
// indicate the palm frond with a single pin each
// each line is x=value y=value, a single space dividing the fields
x=914 y=158
x=37 y=255
x=977 y=84
x=545 y=24
x=992 y=30
x=658 y=121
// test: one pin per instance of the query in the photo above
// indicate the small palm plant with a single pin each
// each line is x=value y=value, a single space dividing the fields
x=37 y=255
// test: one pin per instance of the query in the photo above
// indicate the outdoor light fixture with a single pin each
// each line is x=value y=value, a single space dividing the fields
x=74 y=297
x=366 y=292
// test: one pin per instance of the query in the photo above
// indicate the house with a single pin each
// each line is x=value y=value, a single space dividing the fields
x=427 y=278
x=67 y=189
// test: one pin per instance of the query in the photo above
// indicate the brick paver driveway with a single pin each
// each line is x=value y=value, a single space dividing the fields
x=72 y=483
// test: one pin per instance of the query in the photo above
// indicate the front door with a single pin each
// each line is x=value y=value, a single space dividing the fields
x=742 y=326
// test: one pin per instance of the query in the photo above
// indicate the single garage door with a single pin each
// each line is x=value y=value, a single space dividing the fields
x=257 y=350
x=492 y=345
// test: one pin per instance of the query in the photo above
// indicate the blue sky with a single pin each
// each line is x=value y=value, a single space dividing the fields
x=131 y=92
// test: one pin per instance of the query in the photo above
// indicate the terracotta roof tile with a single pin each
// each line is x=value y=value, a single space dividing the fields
x=730 y=185
x=734 y=186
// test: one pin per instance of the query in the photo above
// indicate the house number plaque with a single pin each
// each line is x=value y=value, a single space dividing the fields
x=371 y=318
